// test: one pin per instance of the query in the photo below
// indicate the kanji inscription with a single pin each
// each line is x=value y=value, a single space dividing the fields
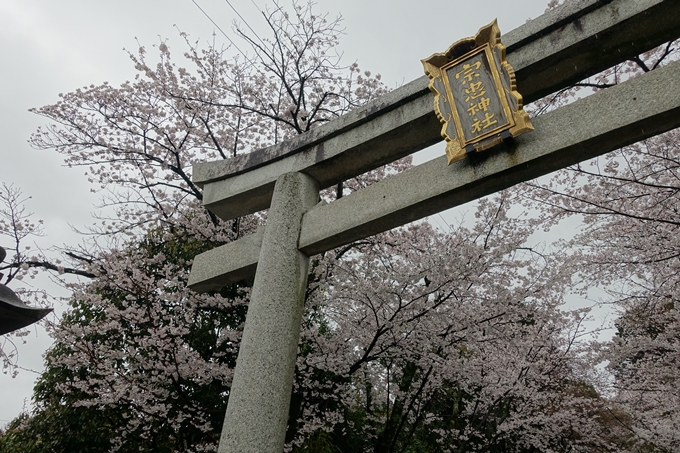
x=475 y=94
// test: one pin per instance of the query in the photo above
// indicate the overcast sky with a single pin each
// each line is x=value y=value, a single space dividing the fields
x=49 y=47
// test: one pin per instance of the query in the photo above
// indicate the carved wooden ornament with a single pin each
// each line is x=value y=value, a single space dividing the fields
x=475 y=94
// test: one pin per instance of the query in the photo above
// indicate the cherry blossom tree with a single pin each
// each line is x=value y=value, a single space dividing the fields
x=628 y=202
x=138 y=141
x=413 y=340
x=452 y=341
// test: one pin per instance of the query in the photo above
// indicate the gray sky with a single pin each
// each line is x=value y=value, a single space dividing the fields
x=49 y=47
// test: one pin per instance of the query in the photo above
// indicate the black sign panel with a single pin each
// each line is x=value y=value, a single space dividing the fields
x=479 y=106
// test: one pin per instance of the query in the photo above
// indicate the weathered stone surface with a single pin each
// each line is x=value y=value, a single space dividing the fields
x=257 y=411
x=624 y=114
x=212 y=271
x=632 y=111
x=548 y=53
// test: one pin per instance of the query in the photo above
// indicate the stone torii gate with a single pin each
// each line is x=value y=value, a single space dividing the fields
x=549 y=53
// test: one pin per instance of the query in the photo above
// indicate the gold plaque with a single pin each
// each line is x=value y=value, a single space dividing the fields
x=475 y=94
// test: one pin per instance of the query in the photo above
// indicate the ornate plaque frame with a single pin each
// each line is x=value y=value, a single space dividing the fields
x=476 y=95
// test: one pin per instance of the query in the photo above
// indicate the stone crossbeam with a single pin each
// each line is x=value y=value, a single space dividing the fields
x=548 y=53
x=212 y=271
x=632 y=111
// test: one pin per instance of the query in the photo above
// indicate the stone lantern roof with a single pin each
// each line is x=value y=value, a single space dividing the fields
x=14 y=314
